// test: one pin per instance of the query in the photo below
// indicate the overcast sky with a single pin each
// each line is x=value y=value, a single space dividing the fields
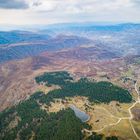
x=22 y=12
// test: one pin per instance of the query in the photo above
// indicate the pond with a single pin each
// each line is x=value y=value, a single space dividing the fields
x=80 y=114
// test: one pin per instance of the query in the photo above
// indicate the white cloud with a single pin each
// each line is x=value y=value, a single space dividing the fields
x=83 y=6
x=50 y=11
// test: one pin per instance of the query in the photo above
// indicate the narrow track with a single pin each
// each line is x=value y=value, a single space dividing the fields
x=121 y=118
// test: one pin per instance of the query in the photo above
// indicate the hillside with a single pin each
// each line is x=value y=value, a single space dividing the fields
x=25 y=45
x=70 y=82
x=29 y=120
x=97 y=92
x=112 y=40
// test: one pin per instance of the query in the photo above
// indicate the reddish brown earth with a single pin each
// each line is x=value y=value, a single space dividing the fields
x=17 y=77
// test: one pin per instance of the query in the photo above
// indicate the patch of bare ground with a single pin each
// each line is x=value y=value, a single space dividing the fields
x=57 y=106
x=17 y=82
x=60 y=104
x=14 y=122
x=17 y=77
x=46 y=89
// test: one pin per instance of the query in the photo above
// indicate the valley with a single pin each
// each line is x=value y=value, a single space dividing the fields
x=94 y=68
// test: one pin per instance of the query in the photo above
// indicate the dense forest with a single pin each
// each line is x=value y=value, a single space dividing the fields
x=95 y=91
x=57 y=78
x=101 y=137
x=33 y=122
x=28 y=121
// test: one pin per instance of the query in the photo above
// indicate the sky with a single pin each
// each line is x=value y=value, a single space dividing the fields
x=29 y=12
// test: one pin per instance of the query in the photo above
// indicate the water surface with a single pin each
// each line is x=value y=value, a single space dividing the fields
x=80 y=114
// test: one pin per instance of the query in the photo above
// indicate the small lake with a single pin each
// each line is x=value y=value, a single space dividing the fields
x=80 y=114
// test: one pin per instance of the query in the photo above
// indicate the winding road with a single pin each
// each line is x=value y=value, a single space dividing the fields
x=122 y=118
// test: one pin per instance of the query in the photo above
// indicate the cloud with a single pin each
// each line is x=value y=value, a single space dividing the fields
x=54 y=11
x=81 y=6
x=36 y=4
x=13 y=4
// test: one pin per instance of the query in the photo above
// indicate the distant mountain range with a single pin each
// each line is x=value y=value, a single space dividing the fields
x=20 y=36
x=121 y=39
x=29 y=44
